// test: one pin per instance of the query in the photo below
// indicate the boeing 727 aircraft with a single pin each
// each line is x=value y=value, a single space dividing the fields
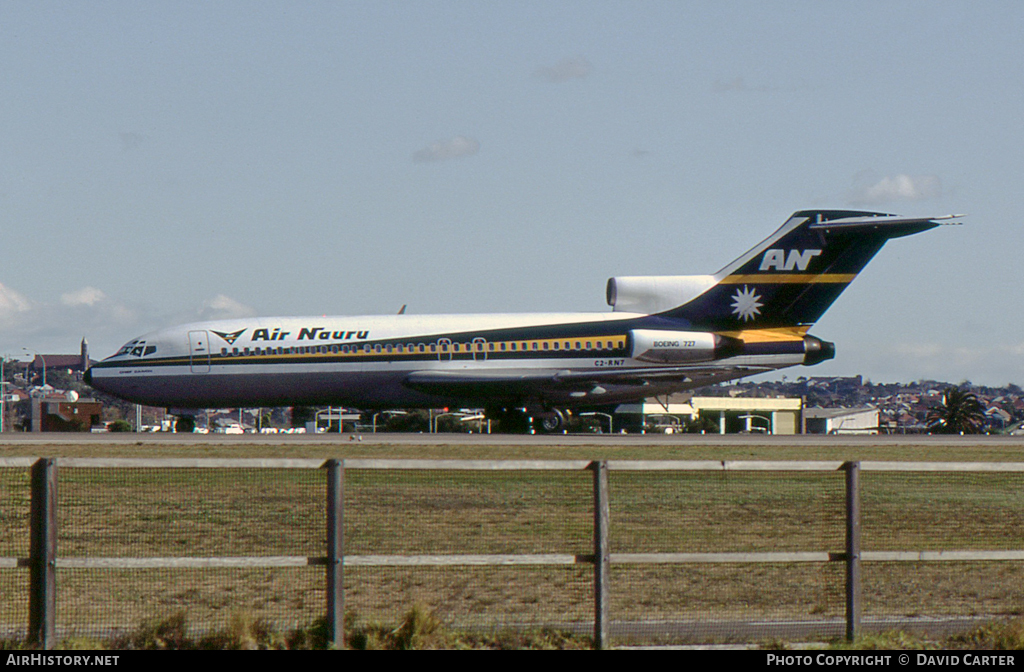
x=664 y=334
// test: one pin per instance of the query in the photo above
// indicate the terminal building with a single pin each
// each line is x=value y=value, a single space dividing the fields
x=721 y=415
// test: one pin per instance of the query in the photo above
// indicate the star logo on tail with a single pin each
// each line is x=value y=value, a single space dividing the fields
x=746 y=304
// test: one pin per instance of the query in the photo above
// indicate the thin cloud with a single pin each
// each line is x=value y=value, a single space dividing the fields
x=12 y=301
x=223 y=307
x=86 y=296
x=900 y=187
x=576 y=67
x=57 y=326
x=457 y=147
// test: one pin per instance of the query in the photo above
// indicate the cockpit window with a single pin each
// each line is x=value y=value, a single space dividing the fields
x=136 y=348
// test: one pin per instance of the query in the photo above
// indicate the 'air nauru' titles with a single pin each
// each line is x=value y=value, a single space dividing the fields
x=305 y=333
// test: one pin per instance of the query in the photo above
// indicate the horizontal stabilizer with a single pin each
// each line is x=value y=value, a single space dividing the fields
x=878 y=222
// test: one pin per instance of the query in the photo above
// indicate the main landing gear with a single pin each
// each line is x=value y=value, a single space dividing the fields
x=529 y=421
x=549 y=421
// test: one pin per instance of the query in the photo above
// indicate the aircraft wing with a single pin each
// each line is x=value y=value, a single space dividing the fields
x=517 y=382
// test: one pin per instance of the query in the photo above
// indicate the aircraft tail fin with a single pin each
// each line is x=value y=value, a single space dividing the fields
x=794 y=275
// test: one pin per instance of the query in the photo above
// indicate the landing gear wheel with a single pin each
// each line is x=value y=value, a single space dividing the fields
x=549 y=421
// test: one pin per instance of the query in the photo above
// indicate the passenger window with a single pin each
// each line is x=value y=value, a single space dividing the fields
x=545 y=345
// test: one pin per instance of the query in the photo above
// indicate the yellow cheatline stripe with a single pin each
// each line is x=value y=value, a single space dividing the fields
x=768 y=335
x=789 y=278
x=544 y=345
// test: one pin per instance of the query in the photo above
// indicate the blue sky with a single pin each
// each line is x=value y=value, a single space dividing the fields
x=164 y=162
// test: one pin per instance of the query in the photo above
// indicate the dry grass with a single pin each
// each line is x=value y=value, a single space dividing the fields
x=997 y=635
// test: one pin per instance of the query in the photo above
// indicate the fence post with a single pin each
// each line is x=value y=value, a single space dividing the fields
x=43 y=553
x=853 y=588
x=602 y=556
x=335 y=554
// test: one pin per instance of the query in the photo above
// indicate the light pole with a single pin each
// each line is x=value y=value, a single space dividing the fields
x=751 y=416
x=41 y=358
x=437 y=417
x=3 y=395
x=385 y=413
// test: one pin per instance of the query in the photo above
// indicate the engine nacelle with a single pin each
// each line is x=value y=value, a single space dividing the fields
x=817 y=350
x=654 y=293
x=681 y=347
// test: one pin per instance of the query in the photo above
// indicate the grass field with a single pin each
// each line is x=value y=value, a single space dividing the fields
x=203 y=512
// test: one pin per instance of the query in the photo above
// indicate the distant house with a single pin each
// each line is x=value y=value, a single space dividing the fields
x=63 y=412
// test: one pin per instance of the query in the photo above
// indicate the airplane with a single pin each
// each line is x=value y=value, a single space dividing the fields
x=664 y=334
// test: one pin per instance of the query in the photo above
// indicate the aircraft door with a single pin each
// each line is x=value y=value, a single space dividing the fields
x=479 y=349
x=444 y=349
x=199 y=351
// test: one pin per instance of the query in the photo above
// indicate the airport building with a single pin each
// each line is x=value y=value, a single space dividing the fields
x=862 y=420
x=722 y=415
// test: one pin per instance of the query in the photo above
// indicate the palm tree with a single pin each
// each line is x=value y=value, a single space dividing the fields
x=959 y=413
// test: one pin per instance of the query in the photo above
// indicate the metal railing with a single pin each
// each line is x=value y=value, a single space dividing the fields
x=43 y=560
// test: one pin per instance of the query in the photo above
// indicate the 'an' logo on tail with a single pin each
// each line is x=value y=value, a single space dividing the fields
x=777 y=259
x=230 y=338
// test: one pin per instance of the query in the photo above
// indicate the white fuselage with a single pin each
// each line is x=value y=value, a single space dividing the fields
x=373 y=361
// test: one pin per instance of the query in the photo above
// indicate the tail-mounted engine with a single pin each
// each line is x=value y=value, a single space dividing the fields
x=681 y=347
